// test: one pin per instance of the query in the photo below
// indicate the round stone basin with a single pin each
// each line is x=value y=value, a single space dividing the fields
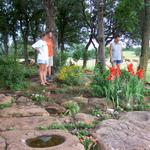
x=45 y=141
x=38 y=140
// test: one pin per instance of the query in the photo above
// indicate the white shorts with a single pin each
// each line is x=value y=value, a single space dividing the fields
x=50 y=61
x=40 y=61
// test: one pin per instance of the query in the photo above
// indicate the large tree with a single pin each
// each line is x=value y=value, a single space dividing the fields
x=145 y=51
x=4 y=27
x=133 y=18
x=101 y=49
x=69 y=22
x=50 y=19
x=128 y=16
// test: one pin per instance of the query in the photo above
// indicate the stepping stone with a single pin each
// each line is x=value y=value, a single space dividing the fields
x=130 y=132
x=26 y=123
x=23 y=111
x=5 y=99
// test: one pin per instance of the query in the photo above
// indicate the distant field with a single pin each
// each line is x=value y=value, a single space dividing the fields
x=128 y=55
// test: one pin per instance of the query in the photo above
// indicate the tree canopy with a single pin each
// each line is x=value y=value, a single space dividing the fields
x=74 y=22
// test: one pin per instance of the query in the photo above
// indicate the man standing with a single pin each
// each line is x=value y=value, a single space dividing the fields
x=116 y=55
x=50 y=43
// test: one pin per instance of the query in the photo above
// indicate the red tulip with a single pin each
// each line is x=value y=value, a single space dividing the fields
x=118 y=71
x=140 y=73
x=112 y=74
x=130 y=69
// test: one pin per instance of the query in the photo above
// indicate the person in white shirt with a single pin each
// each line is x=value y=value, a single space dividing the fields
x=116 y=54
x=42 y=58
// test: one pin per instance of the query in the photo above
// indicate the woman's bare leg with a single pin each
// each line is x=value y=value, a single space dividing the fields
x=44 y=72
x=41 y=74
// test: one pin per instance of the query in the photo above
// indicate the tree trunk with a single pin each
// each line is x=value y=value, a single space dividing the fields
x=15 y=46
x=96 y=57
x=50 y=20
x=25 y=44
x=61 y=50
x=25 y=32
x=85 y=54
x=145 y=51
x=101 y=49
x=6 y=48
x=35 y=55
x=85 y=57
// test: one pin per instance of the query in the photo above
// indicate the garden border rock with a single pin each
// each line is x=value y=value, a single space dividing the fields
x=16 y=140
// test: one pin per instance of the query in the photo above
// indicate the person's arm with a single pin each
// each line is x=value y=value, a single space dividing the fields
x=110 y=52
x=36 y=46
x=122 y=52
x=122 y=55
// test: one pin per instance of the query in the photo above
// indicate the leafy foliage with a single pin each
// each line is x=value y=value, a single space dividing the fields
x=2 y=106
x=69 y=21
x=100 y=114
x=12 y=74
x=128 y=16
x=38 y=98
x=126 y=91
x=72 y=108
x=71 y=75
x=99 y=85
x=61 y=60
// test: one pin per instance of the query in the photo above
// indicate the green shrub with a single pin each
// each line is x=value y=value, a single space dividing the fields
x=100 y=114
x=57 y=126
x=72 y=108
x=2 y=106
x=71 y=75
x=147 y=92
x=60 y=60
x=125 y=91
x=137 y=51
x=39 y=98
x=30 y=71
x=100 y=84
x=77 y=55
x=11 y=74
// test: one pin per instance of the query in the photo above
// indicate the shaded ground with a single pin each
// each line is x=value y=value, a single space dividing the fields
x=38 y=108
x=43 y=107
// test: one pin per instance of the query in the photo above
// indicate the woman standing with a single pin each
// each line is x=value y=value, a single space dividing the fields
x=42 y=59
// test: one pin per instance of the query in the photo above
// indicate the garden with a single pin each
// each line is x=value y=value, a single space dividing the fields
x=95 y=95
x=76 y=101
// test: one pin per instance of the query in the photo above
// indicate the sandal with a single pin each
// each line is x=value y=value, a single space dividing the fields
x=47 y=83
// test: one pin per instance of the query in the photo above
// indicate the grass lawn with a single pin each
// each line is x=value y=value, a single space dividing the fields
x=127 y=55
x=148 y=74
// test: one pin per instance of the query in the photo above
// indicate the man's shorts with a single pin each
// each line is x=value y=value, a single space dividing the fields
x=50 y=61
x=117 y=62
x=40 y=61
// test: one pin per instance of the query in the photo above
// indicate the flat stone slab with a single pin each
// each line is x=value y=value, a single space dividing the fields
x=80 y=100
x=98 y=103
x=130 y=132
x=24 y=101
x=2 y=143
x=26 y=123
x=5 y=99
x=23 y=111
x=55 y=109
x=16 y=140
x=86 y=118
